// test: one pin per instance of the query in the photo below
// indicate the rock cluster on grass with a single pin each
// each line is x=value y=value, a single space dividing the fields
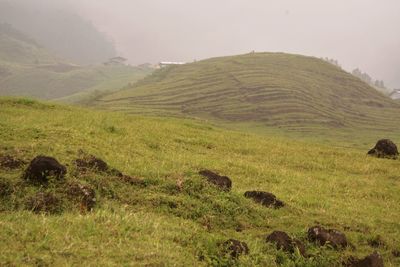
x=265 y=199
x=41 y=168
x=222 y=182
x=331 y=237
x=284 y=242
x=373 y=260
x=384 y=148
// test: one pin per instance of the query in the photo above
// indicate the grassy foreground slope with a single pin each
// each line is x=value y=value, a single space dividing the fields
x=272 y=89
x=174 y=217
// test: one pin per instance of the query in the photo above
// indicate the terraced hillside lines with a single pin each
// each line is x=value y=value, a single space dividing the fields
x=275 y=89
x=141 y=191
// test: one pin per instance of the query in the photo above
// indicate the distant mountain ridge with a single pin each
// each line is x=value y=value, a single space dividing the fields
x=273 y=89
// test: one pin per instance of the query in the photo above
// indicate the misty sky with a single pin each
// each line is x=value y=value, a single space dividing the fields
x=358 y=33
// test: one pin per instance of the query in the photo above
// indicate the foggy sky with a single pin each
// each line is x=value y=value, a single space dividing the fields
x=358 y=33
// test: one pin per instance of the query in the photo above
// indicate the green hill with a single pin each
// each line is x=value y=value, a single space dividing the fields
x=168 y=215
x=28 y=69
x=66 y=82
x=271 y=89
x=18 y=48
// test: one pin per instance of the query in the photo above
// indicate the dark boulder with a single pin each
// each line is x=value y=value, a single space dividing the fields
x=43 y=167
x=284 y=242
x=235 y=248
x=330 y=237
x=384 y=148
x=373 y=260
x=265 y=199
x=223 y=182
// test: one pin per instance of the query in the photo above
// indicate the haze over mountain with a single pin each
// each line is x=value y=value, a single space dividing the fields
x=56 y=26
x=358 y=33
x=251 y=159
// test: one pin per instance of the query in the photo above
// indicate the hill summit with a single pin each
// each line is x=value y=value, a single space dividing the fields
x=274 y=89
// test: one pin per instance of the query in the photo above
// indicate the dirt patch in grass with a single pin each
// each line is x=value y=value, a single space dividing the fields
x=5 y=188
x=235 y=248
x=373 y=260
x=10 y=162
x=222 y=182
x=84 y=194
x=90 y=162
x=376 y=242
x=396 y=253
x=132 y=180
x=44 y=203
x=265 y=198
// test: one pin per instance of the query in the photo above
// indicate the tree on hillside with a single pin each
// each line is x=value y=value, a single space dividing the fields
x=368 y=79
x=332 y=61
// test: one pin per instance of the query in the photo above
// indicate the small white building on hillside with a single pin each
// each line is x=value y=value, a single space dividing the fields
x=170 y=63
x=395 y=94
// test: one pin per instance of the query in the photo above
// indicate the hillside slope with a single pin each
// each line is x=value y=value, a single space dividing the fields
x=68 y=82
x=273 y=89
x=59 y=29
x=28 y=69
x=169 y=215
x=19 y=48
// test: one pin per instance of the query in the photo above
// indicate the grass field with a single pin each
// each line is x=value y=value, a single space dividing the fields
x=174 y=218
x=70 y=85
x=294 y=92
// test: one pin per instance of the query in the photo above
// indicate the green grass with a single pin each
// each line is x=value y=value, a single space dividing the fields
x=73 y=85
x=293 y=92
x=162 y=224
